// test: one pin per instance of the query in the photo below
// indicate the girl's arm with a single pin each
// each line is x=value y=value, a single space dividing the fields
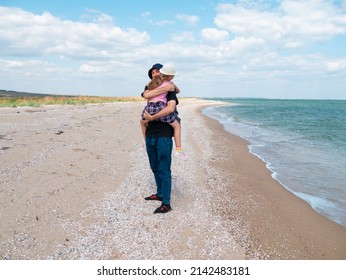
x=169 y=109
x=176 y=89
x=157 y=91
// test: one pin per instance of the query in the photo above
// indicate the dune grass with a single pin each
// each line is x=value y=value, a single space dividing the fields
x=37 y=101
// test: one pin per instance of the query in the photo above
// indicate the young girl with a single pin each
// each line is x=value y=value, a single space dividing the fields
x=157 y=103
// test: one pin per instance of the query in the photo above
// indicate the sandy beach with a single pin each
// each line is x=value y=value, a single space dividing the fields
x=73 y=179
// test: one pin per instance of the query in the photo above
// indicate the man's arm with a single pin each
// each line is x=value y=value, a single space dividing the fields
x=157 y=91
x=169 y=109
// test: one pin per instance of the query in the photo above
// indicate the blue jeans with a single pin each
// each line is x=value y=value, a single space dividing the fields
x=159 y=151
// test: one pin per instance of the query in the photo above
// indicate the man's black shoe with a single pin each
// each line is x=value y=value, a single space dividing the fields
x=164 y=208
x=153 y=197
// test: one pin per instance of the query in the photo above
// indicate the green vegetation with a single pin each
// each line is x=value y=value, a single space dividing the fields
x=38 y=100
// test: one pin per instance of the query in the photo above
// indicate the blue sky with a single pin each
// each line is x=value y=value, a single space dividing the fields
x=245 y=48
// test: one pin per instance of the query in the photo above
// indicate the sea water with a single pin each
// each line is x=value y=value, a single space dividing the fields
x=303 y=143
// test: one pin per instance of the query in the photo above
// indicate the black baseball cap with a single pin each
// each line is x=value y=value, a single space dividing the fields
x=157 y=66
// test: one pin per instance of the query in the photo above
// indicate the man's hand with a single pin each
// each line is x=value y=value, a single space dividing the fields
x=147 y=116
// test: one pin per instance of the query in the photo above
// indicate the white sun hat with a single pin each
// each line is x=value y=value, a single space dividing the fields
x=168 y=69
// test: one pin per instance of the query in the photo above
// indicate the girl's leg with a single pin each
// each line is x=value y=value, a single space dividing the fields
x=177 y=133
x=177 y=139
x=143 y=124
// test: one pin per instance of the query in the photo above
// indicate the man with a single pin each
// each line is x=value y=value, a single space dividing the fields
x=159 y=144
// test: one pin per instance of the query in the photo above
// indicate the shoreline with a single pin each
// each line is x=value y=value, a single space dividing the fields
x=73 y=179
x=320 y=237
x=310 y=169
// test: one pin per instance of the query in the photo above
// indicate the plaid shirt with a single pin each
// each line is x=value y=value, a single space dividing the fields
x=153 y=107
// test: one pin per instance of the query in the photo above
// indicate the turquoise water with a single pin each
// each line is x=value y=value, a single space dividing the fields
x=303 y=143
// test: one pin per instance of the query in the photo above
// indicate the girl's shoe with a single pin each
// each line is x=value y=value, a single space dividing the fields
x=180 y=154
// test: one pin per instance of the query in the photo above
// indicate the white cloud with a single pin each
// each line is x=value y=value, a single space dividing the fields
x=183 y=37
x=189 y=20
x=214 y=35
x=245 y=22
x=336 y=65
x=164 y=22
x=87 y=68
x=30 y=68
x=147 y=17
x=246 y=43
x=245 y=46
x=24 y=33
x=293 y=24
x=28 y=64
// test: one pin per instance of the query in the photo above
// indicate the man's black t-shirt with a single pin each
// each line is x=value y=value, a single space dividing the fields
x=161 y=129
